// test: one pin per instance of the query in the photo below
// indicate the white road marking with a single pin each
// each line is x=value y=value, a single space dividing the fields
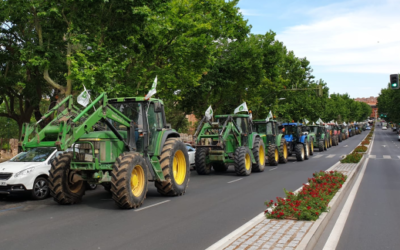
x=272 y=169
x=317 y=156
x=330 y=156
x=294 y=161
x=384 y=146
x=373 y=156
x=143 y=208
x=235 y=180
x=387 y=157
x=334 y=237
x=345 y=146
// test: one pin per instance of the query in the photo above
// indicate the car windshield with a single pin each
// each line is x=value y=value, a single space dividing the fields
x=34 y=155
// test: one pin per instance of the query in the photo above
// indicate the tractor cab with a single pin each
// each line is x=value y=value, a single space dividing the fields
x=268 y=129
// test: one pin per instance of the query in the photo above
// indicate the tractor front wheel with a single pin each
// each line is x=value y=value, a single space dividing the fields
x=243 y=161
x=299 y=152
x=64 y=189
x=306 y=150
x=283 y=150
x=201 y=157
x=129 y=180
x=321 y=146
x=312 y=146
x=174 y=162
x=273 y=155
x=259 y=155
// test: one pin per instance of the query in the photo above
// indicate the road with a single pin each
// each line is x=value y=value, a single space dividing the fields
x=374 y=219
x=213 y=207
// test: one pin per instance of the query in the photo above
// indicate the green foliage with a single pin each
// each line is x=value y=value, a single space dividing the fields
x=311 y=201
x=354 y=157
x=388 y=101
x=360 y=149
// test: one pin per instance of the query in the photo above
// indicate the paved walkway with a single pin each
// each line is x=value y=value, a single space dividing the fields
x=279 y=234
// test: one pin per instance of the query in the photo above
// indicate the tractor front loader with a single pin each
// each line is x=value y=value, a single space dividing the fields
x=229 y=140
x=121 y=143
x=275 y=144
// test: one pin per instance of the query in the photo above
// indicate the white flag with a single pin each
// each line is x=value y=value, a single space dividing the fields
x=209 y=113
x=269 y=116
x=306 y=121
x=319 y=121
x=84 y=97
x=152 y=91
x=242 y=107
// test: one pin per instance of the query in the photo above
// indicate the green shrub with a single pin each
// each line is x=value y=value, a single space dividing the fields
x=354 y=157
x=360 y=149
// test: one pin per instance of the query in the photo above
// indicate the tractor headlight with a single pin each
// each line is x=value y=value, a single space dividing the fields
x=24 y=172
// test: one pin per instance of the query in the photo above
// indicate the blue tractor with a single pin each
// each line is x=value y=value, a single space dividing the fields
x=296 y=140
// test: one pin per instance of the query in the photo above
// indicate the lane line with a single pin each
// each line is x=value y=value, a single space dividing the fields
x=276 y=168
x=143 y=208
x=387 y=157
x=373 y=156
x=235 y=180
x=317 y=156
x=9 y=209
x=330 y=156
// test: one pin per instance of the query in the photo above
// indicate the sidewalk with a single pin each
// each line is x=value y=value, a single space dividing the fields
x=275 y=234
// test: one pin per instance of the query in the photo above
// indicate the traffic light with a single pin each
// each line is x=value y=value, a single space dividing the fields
x=394 y=81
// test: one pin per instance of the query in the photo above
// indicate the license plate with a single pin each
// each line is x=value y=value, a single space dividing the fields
x=3 y=183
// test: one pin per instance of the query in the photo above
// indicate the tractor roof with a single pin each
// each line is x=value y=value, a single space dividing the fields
x=263 y=121
x=292 y=124
x=234 y=115
x=134 y=99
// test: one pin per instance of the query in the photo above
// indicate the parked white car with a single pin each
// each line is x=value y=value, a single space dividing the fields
x=384 y=128
x=191 y=152
x=28 y=172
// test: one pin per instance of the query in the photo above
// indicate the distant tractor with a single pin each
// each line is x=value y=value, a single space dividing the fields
x=312 y=138
x=321 y=137
x=275 y=143
x=229 y=140
x=297 y=141
x=122 y=144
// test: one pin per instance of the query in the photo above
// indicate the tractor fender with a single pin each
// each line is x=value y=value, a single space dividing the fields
x=303 y=138
x=167 y=134
x=278 y=139
x=289 y=138
x=252 y=139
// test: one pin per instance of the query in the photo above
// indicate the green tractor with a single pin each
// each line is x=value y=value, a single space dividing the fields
x=321 y=137
x=275 y=143
x=311 y=136
x=122 y=144
x=229 y=140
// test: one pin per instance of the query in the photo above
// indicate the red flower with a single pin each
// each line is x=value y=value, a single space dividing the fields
x=316 y=213
x=281 y=213
x=308 y=207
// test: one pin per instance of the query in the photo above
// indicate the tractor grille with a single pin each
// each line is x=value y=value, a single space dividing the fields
x=5 y=176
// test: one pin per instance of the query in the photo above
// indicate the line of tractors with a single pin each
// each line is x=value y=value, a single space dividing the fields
x=125 y=143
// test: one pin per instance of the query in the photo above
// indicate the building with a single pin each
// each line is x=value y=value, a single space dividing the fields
x=192 y=123
x=371 y=101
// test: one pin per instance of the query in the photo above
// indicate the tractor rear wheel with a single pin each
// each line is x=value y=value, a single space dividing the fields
x=174 y=162
x=312 y=146
x=201 y=157
x=299 y=152
x=220 y=167
x=306 y=150
x=129 y=180
x=273 y=155
x=243 y=161
x=283 y=150
x=321 y=146
x=340 y=137
x=64 y=190
x=334 y=140
x=259 y=155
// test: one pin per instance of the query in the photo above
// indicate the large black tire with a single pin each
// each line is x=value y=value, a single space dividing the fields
x=340 y=138
x=220 y=167
x=40 y=189
x=330 y=141
x=312 y=145
x=337 y=140
x=334 y=140
x=259 y=155
x=273 y=155
x=300 y=152
x=176 y=181
x=129 y=180
x=200 y=157
x=283 y=151
x=321 y=146
x=90 y=186
x=63 y=191
x=243 y=161
x=306 y=150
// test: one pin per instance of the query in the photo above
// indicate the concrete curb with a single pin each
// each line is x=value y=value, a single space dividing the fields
x=311 y=238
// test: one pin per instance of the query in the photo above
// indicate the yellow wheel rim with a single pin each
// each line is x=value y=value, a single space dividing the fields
x=312 y=146
x=326 y=144
x=247 y=161
x=276 y=155
x=261 y=155
x=179 y=167
x=137 y=181
x=285 y=150
x=331 y=141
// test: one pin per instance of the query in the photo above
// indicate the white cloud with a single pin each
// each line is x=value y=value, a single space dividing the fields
x=356 y=36
x=250 y=12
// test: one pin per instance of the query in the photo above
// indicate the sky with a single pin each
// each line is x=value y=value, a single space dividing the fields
x=352 y=45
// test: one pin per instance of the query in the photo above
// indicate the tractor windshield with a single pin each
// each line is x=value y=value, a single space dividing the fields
x=291 y=130
x=260 y=128
x=314 y=130
x=242 y=124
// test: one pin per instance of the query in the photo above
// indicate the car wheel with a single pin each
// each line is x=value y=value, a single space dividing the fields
x=40 y=189
x=91 y=186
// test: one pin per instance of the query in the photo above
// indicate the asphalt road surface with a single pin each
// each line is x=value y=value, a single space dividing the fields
x=212 y=207
x=374 y=219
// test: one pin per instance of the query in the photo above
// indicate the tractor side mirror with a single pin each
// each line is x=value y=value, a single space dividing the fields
x=158 y=108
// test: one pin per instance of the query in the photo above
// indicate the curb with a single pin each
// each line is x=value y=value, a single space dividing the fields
x=311 y=238
x=315 y=231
